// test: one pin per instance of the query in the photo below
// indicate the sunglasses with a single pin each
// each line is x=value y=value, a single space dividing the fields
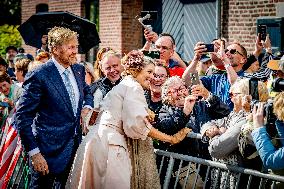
x=234 y=94
x=233 y=51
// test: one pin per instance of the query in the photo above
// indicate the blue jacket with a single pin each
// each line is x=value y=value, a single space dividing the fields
x=45 y=103
x=271 y=157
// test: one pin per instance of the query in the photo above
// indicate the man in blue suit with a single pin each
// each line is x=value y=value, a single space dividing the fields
x=48 y=114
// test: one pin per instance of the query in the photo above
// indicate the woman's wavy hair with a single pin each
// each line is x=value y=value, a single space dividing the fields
x=171 y=81
x=134 y=62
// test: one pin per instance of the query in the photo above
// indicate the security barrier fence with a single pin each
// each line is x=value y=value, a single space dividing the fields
x=182 y=171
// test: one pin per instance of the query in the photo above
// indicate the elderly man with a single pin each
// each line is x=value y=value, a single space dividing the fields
x=234 y=57
x=55 y=96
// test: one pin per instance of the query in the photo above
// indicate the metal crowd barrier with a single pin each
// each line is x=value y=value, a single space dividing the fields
x=21 y=175
x=191 y=169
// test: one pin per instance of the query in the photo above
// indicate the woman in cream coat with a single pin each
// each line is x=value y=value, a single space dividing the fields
x=117 y=151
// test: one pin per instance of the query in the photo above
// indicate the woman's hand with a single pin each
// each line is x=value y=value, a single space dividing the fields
x=179 y=136
x=258 y=119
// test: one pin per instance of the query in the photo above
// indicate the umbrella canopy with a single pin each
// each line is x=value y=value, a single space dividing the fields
x=38 y=25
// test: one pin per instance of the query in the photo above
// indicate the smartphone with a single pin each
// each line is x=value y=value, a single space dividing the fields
x=209 y=47
x=152 y=54
x=262 y=30
x=4 y=104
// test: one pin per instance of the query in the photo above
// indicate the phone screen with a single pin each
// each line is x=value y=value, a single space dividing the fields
x=152 y=54
x=262 y=31
x=209 y=47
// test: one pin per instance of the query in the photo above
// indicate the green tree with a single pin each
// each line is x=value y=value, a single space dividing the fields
x=9 y=35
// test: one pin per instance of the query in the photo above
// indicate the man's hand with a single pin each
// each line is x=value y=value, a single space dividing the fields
x=199 y=90
x=161 y=62
x=199 y=49
x=150 y=36
x=40 y=164
x=258 y=119
x=258 y=46
x=267 y=44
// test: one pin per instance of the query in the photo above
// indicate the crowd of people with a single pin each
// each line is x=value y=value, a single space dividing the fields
x=95 y=125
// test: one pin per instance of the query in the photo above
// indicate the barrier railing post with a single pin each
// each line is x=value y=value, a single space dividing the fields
x=169 y=172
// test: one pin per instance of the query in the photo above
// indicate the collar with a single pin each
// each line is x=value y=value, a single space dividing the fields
x=172 y=63
x=106 y=81
x=241 y=73
x=59 y=67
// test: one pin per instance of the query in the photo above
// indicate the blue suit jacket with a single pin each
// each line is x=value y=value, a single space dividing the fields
x=46 y=104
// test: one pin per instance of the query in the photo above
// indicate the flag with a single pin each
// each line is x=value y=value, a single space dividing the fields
x=10 y=151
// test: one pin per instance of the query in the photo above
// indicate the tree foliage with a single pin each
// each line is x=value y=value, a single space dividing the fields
x=10 y=12
x=9 y=35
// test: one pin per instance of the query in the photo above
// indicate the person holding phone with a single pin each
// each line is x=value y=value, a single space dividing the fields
x=256 y=66
x=233 y=58
x=168 y=55
x=180 y=110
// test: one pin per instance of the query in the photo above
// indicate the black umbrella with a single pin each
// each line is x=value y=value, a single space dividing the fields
x=38 y=25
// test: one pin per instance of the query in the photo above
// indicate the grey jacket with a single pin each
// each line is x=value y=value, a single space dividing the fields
x=223 y=145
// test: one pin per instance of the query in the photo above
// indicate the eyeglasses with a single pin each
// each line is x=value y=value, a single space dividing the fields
x=162 y=76
x=233 y=51
x=182 y=88
x=233 y=94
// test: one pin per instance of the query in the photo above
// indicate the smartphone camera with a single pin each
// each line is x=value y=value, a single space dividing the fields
x=209 y=47
x=152 y=54
x=262 y=30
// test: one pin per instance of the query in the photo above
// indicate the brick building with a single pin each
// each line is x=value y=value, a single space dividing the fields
x=119 y=28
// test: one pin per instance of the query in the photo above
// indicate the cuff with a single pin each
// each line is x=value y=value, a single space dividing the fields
x=88 y=106
x=33 y=152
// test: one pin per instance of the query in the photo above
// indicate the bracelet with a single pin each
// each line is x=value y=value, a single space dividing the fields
x=227 y=65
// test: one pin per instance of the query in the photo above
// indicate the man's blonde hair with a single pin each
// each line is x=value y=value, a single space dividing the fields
x=58 y=35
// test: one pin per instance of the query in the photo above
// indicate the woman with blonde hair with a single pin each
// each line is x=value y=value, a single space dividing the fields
x=117 y=151
x=231 y=145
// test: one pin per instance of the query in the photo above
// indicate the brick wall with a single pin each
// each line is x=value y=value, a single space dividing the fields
x=118 y=25
x=239 y=19
x=110 y=24
x=131 y=28
x=29 y=8
x=119 y=28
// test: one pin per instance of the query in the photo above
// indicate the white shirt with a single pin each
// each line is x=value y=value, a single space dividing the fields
x=72 y=79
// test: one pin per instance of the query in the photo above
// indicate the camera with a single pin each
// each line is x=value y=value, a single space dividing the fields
x=278 y=84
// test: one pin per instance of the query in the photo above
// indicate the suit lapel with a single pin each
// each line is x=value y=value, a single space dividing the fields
x=56 y=80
